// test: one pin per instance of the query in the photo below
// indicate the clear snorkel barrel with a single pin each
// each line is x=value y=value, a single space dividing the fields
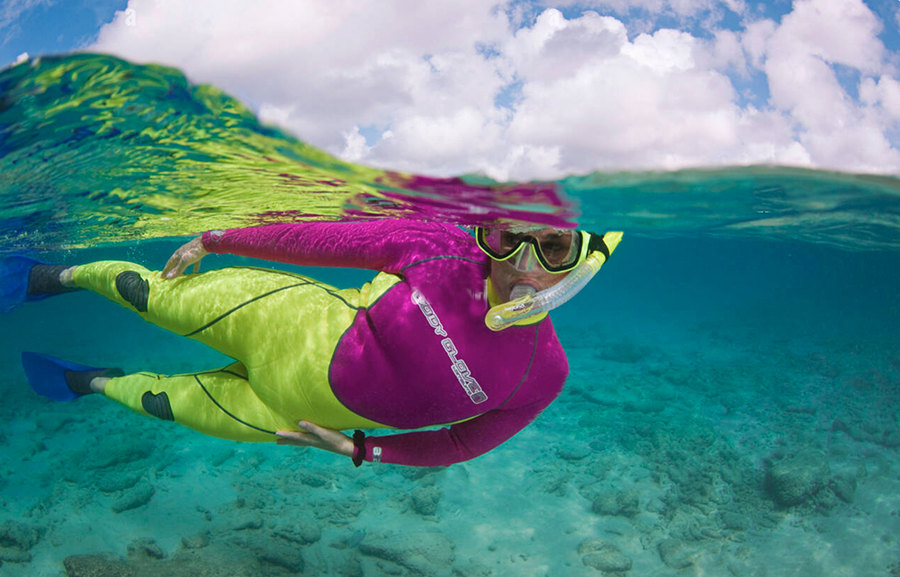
x=525 y=302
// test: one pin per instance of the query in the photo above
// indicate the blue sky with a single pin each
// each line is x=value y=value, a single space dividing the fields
x=52 y=27
x=525 y=89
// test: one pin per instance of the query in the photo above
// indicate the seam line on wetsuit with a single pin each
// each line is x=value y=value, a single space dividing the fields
x=256 y=298
x=240 y=306
x=471 y=260
x=213 y=372
x=211 y=398
x=527 y=369
x=238 y=375
x=305 y=281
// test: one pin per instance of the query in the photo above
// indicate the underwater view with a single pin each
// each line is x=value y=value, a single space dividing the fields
x=732 y=406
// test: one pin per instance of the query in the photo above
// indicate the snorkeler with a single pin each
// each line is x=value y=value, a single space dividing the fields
x=451 y=331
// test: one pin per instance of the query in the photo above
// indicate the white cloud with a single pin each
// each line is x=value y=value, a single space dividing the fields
x=329 y=65
x=799 y=58
x=355 y=148
x=755 y=38
x=587 y=96
x=667 y=51
x=884 y=93
x=679 y=8
x=555 y=47
x=646 y=103
x=430 y=140
x=837 y=31
x=627 y=107
x=726 y=52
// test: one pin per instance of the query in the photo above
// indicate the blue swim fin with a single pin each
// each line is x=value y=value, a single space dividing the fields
x=17 y=275
x=47 y=375
x=14 y=272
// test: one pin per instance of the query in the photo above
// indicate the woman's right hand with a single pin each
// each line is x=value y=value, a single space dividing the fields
x=189 y=254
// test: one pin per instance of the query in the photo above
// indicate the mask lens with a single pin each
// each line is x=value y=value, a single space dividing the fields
x=502 y=242
x=559 y=248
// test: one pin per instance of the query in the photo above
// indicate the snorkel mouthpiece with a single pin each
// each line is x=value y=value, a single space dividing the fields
x=525 y=302
x=521 y=290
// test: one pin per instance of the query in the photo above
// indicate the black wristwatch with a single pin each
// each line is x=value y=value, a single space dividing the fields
x=359 y=442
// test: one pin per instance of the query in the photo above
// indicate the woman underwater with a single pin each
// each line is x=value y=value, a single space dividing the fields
x=410 y=349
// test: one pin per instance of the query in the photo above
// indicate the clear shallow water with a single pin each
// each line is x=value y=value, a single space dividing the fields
x=744 y=333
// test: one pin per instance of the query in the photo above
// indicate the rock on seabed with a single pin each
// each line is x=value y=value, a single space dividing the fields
x=795 y=479
x=603 y=556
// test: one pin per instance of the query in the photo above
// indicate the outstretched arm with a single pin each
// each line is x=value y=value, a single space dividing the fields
x=386 y=245
x=453 y=444
x=446 y=446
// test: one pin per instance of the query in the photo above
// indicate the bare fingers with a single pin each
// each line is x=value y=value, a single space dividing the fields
x=319 y=437
x=186 y=255
x=296 y=439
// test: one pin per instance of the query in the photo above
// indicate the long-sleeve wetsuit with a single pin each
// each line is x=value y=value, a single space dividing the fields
x=406 y=351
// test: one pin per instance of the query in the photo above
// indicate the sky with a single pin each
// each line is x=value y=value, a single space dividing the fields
x=523 y=90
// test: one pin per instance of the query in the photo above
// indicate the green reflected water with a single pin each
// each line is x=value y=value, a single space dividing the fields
x=96 y=150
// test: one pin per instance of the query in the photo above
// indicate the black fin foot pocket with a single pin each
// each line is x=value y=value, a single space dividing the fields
x=43 y=279
x=80 y=381
x=133 y=289
x=158 y=405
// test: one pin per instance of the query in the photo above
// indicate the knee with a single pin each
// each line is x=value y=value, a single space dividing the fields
x=157 y=405
x=134 y=289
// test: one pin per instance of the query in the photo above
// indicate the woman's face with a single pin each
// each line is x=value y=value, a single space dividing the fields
x=504 y=276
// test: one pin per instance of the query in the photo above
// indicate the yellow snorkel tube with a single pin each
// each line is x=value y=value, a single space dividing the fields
x=534 y=303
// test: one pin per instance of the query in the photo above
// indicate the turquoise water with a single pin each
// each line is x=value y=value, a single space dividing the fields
x=733 y=406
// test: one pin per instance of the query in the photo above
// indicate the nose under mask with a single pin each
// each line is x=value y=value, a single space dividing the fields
x=525 y=260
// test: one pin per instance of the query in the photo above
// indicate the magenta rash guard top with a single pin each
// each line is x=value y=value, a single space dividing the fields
x=419 y=354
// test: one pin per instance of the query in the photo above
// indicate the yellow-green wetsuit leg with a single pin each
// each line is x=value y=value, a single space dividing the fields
x=281 y=327
x=225 y=387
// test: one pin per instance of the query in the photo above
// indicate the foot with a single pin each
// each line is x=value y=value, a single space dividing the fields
x=65 y=277
x=87 y=382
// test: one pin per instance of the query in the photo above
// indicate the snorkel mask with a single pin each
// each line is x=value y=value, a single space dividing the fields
x=579 y=253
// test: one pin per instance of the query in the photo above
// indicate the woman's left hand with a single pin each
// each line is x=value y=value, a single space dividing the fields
x=186 y=255
x=318 y=437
